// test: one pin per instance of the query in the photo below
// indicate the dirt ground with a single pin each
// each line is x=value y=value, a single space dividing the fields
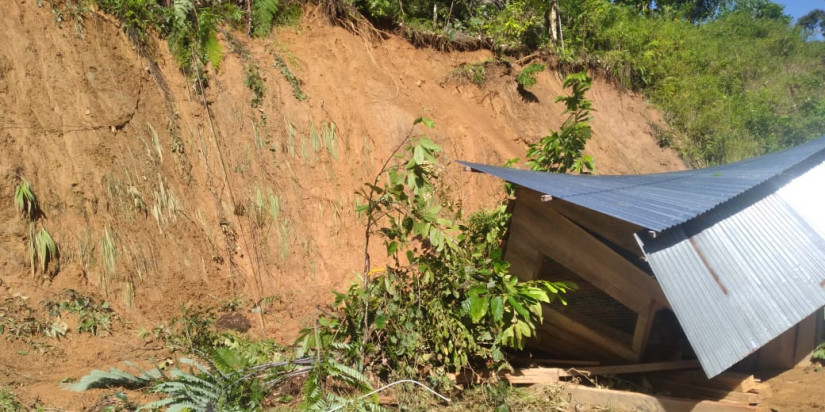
x=797 y=390
x=118 y=148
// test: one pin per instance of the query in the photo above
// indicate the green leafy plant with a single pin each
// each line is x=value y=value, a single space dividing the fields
x=264 y=13
x=330 y=370
x=9 y=402
x=93 y=317
x=527 y=76
x=562 y=151
x=19 y=321
x=445 y=300
x=25 y=201
x=43 y=250
x=293 y=81
x=227 y=382
x=819 y=353
x=255 y=83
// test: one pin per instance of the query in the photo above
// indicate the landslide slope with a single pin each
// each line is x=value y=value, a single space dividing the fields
x=205 y=198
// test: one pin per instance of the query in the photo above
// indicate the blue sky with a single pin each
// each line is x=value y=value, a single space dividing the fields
x=799 y=8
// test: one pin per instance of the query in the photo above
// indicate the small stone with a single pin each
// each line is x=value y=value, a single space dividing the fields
x=234 y=321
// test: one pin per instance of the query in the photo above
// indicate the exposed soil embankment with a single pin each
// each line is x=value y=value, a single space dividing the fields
x=161 y=198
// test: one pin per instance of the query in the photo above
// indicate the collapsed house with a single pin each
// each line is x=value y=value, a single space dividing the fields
x=736 y=252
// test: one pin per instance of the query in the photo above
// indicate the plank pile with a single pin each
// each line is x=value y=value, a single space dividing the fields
x=681 y=387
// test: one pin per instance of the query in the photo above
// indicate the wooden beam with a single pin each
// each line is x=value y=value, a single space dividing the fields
x=705 y=392
x=524 y=258
x=731 y=381
x=576 y=249
x=535 y=376
x=644 y=322
x=639 y=368
x=617 y=231
x=582 y=396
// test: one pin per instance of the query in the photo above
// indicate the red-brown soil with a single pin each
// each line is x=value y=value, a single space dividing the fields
x=80 y=108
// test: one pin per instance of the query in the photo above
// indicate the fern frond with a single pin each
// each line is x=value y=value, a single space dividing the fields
x=264 y=13
x=181 y=10
x=186 y=407
x=350 y=374
x=114 y=377
x=213 y=50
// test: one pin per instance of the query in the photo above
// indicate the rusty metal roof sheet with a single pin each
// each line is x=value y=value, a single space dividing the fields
x=738 y=277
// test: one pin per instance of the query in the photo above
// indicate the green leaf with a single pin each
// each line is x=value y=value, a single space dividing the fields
x=478 y=307
x=392 y=247
x=426 y=121
x=497 y=308
x=518 y=307
x=418 y=155
x=381 y=321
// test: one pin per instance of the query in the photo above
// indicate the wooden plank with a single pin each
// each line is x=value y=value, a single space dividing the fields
x=608 y=340
x=644 y=322
x=552 y=339
x=778 y=353
x=763 y=389
x=525 y=259
x=617 y=231
x=580 y=397
x=578 y=250
x=532 y=360
x=535 y=376
x=730 y=381
x=640 y=367
x=683 y=389
x=805 y=340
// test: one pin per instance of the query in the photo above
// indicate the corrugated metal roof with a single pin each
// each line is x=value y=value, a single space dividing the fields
x=741 y=253
x=659 y=201
x=737 y=278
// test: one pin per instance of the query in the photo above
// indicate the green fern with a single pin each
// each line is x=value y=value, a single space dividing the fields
x=229 y=383
x=213 y=50
x=116 y=378
x=181 y=10
x=264 y=13
x=527 y=77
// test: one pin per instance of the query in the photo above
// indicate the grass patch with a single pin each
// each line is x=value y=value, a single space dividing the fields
x=9 y=402
x=108 y=251
x=291 y=133
x=25 y=201
x=328 y=130
x=475 y=73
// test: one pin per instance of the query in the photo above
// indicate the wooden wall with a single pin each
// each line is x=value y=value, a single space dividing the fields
x=602 y=251
x=595 y=247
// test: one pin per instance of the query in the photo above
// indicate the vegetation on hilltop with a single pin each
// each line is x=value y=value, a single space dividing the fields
x=734 y=79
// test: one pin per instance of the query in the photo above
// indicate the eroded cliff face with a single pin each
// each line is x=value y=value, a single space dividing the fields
x=160 y=197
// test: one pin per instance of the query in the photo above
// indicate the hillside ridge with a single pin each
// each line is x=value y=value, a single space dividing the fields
x=206 y=198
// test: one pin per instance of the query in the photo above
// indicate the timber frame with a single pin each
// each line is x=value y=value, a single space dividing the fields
x=599 y=250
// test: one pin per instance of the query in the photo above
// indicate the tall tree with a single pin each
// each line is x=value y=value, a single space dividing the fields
x=814 y=21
